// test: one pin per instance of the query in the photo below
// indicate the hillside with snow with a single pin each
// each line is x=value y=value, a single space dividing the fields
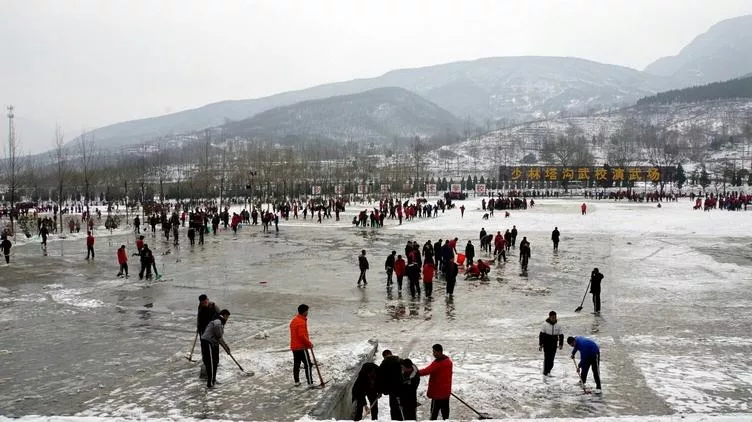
x=714 y=128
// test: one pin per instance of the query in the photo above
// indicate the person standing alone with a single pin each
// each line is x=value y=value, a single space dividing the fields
x=90 y=246
x=555 y=238
x=363 y=265
x=299 y=344
x=595 y=288
x=550 y=336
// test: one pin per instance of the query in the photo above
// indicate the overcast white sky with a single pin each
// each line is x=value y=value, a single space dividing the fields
x=88 y=63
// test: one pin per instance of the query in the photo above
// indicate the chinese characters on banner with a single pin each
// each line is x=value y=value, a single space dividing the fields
x=385 y=188
x=599 y=175
x=480 y=188
x=339 y=189
x=316 y=190
x=431 y=189
x=456 y=187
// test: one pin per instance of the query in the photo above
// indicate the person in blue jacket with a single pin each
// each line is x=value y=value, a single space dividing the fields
x=590 y=356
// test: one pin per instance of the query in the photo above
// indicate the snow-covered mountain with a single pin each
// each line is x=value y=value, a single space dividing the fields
x=721 y=53
x=715 y=128
x=380 y=115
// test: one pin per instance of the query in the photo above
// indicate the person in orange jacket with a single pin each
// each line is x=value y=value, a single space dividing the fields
x=122 y=257
x=428 y=272
x=299 y=344
x=439 y=382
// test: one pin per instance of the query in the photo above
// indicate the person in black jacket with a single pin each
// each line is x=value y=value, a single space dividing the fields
x=363 y=265
x=469 y=254
x=389 y=267
x=595 y=288
x=365 y=386
x=390 y=382
x=555 y=238
x=451 y=277
x=408 y=396
x=412 y=271
x=550 y=335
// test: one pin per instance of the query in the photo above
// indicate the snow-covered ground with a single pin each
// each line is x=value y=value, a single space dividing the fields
x=77 y=341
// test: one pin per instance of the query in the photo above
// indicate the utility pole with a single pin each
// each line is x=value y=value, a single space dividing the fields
x=11 y=164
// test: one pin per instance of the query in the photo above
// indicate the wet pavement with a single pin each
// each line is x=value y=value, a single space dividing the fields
x=78 y=340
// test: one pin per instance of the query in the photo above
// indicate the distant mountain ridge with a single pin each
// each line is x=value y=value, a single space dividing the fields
x=735 y=88
x=723 y=52
x=504 y=89
x=380 y=115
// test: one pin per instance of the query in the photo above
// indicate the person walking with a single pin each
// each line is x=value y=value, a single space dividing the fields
x=590 y=357
x=211 y=339
x=389 y=267
x=122 y=257
x=555 y=238
x=299 y=344
x=595 y=288
x=583 y=208
x=439 y=382
x=549 y=337
x=514 y=236
x=524 y=253
x=413 y=277
x=363 y=265
x=5 y=245
x=428 y=271
x=399 y=271
x=90 y=246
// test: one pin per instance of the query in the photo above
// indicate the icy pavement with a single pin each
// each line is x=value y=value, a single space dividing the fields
x=78 y=341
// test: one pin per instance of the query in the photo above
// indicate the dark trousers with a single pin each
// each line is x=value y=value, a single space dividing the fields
x=389 y=273
x=89 y=251
x=361 y=403
x=439 y=405
x=7 y=258
x=450 y=285
x=124 y=268
x=301 y=356
x=549 y=353
x=556 y=245
x=362 y=277
x=428 y=288
x=210 y=356
x=597 y=301
x=396 y=412
x=414 y=287
x=595 y=363
x=399 y=281
x=145 y=268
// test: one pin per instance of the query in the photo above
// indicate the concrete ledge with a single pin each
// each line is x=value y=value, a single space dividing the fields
x=337 y=402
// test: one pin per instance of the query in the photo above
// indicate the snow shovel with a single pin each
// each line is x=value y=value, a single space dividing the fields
x=190 y=356
x=249 y=373
x=316 y=364
x=480 y=415
x=579 y=308
x=582 y=384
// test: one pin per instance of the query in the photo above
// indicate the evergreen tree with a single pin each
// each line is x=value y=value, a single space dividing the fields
x=680 y=177
x=704 y=179
x=475 y=181
x=444 y=184
x=749 y=179
x=482 y=180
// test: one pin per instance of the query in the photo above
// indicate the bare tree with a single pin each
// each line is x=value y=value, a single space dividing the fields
x=60 y=156
x=86 y=152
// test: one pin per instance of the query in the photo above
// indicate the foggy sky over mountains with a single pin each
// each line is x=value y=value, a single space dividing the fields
x=88 y=63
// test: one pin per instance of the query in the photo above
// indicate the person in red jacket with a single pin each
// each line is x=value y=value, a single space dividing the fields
x=139 y=244
x=90 y=246
x=299 y=344
x=122 y=257
x=583 y=208
x=399 y=270
x=428 y=272
x=439 y=382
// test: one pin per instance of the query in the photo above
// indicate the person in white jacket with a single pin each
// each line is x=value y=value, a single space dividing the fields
x=550 y=336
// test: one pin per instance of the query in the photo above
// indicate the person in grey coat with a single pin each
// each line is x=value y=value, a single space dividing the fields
x=210 y=341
